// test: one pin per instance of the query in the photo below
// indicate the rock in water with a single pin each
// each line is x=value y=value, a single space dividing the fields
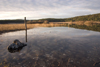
x=16 y=45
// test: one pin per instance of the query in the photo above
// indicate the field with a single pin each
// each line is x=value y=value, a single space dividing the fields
x=86 y=24
x=14 y=27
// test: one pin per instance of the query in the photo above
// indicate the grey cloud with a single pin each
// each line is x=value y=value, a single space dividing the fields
x=38 y=4
x=49 y=8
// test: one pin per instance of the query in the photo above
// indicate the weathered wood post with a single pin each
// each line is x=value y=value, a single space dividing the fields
x=68 y=25
x=25 y=27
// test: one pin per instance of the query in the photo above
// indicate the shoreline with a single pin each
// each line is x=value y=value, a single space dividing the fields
x=4 y=28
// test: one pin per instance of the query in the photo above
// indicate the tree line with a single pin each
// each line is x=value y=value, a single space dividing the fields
x=11 y=21
x=93 y=17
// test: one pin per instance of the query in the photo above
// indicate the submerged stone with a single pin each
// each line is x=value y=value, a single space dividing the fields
x=16 y=46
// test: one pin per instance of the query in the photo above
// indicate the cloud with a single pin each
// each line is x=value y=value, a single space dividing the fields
x=47 y=8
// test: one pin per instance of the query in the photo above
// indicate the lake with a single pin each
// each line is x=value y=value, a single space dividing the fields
x=52 y=47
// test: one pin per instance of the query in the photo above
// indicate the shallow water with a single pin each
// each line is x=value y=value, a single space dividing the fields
x=52 y=47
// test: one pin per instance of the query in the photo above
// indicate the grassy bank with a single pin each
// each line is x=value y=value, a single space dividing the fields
x=14 y=27
x=82 y=25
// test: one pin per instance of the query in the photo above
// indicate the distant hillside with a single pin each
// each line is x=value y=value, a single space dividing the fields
x=94 y=17
x=11 y=21
x=53 y=20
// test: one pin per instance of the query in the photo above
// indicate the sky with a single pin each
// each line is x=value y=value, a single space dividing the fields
x=38 y=9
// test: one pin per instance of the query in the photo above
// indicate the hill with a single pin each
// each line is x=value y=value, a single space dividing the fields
x=93 y=17
x=11 y=21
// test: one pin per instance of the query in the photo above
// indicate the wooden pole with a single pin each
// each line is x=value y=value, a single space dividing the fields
x=25 y=27
x=68 y=25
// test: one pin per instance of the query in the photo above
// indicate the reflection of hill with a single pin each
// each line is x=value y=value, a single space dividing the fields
x=13 y=51
x=94 y=27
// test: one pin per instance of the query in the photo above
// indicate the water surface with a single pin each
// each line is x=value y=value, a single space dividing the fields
x=52 y=47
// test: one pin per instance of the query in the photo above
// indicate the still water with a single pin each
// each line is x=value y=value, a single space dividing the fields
x=52 y=47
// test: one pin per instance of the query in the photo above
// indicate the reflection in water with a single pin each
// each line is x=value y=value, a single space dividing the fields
x=15 y=50
x=94 y=27
x=52 y=47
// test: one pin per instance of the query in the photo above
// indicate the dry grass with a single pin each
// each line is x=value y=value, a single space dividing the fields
x=87 y=23
x=14 y=27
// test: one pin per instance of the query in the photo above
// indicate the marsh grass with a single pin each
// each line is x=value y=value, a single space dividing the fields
x=14 y=27
x=87 y=23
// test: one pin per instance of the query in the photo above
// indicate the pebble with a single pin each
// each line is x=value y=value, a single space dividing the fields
x=64 y=54
x=71 y=60
x=20 y=53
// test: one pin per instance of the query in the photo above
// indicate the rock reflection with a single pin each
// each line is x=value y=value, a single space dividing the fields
x=15 y=50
